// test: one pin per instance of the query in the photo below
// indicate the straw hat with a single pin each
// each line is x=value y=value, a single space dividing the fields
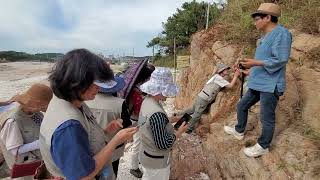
x=37 y=96
x=161 y=82
x=269 y=9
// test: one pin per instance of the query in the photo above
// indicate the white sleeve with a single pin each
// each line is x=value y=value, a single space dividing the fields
x=10 y=135
x=211 y=79
x=7 y=107
x=26 y=147
x=221 y=81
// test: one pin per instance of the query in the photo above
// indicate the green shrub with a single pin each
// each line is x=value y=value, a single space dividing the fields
x=297 y=14
x=237 y=17
x=301 y=15
x=164 y=61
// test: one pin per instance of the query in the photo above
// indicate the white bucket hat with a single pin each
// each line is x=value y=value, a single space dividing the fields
x=161 y=82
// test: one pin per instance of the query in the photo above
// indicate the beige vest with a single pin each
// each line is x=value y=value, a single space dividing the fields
x=29 y=131
x=57 y=113
x=107 y=108
x=209 y=91
x=148 y=108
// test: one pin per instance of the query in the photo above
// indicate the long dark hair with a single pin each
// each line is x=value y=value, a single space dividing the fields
x=75 y=72
x=144 y=74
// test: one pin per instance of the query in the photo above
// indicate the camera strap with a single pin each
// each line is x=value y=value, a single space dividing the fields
x=242 y=83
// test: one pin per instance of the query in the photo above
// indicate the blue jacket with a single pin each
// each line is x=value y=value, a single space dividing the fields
x=274 y=50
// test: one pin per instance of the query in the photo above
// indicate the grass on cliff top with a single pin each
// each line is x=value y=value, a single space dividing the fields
x=303 y=16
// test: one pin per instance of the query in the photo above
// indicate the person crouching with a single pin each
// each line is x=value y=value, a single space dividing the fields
x=208 y=94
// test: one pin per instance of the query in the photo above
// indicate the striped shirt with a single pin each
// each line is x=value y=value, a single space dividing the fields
x=162 y=138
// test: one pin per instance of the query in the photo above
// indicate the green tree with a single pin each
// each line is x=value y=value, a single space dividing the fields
x=181 y=25
x=22 y=56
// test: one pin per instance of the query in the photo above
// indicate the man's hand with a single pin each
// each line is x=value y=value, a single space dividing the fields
x=114 y=126
x=248 y=63
x=246 y=72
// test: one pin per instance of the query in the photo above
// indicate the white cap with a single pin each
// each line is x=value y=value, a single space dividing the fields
x=106 y=85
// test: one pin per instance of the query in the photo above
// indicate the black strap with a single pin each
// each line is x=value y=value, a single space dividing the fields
x=206 y=93
x=119 y=146
x=152 y=156
x=133 y=119
x=242 y=82
x=125 y=115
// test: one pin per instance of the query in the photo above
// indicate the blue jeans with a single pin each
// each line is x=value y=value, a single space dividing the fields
x=268 y=104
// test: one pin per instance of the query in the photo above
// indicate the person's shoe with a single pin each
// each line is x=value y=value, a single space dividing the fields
x=255 y=151
x=232 y=131
x=136 y=173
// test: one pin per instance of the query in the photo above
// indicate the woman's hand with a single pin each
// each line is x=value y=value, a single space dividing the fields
x=183 y=128
x=114 y=126
x=174 y=119
x=235 y=66
x=236 y=73
x=105 y=154
x=123 y=135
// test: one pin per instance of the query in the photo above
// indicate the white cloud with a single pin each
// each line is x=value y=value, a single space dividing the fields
x=101 y=25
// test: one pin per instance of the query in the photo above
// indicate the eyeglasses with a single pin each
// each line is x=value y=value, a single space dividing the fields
x=257 y=19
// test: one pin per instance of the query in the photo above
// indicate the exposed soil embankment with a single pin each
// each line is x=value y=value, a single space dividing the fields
x=295 y=150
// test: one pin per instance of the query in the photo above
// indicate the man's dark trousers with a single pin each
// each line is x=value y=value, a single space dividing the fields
x=268 y=104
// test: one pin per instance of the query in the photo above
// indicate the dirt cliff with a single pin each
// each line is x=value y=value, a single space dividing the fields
x=295 y=150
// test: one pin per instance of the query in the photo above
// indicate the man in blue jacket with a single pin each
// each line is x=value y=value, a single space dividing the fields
x=267 y=79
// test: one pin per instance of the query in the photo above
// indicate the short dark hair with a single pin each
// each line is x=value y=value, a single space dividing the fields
x=75 y=72
x=274 y=19
x=145 y=73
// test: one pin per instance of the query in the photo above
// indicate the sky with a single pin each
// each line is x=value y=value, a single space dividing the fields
x=118 y=27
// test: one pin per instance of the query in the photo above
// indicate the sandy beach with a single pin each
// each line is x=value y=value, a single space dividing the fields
x=16 y=77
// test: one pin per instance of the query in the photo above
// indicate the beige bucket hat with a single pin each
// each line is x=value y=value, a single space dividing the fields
x=161 y=82
x=269 y=9
x=37 y=96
